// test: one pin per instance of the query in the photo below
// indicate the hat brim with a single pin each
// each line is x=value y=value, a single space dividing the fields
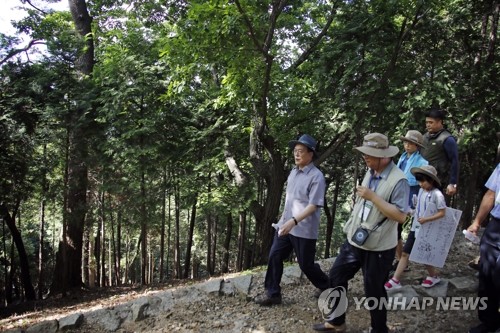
x=416 y=170
x=404 y=138
x=390 y=151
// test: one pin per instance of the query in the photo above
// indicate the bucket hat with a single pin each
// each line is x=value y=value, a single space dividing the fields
x=305 y=140
x=377 y=145
x=428 y=170
x=414 y=137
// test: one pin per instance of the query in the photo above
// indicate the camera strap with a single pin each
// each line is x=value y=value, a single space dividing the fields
x=378 y=225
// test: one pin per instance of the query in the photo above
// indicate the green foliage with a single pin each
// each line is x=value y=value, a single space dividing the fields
x=178 y=87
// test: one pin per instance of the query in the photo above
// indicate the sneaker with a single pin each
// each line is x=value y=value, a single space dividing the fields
x=430 y=281
x=267 y=300
x=392 y=284
x=474 y=264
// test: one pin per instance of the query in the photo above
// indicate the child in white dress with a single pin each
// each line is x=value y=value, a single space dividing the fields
x=430 y=206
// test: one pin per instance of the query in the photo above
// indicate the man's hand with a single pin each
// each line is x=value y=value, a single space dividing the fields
x=474 y=227
x=286 y=228
x=451 y=189
x=365 y=193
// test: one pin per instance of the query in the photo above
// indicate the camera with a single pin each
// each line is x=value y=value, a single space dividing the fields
x=360 y=236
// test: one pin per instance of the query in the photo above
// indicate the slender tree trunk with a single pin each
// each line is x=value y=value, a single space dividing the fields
x=118 y=259
x=21 y=250
x=110 y=253
x=144 y=231
x=241 y=240
x=210 y=268
x=187 y=261
x=41 y=233
x=169 y=233
x=97 y=253
x=331 y=219
x=214 y=243
x=227 y=243
x=114 y=241
x=103 y=242
x=162 y=232
x=177 y=250
x=5 y=266
x=127 y=256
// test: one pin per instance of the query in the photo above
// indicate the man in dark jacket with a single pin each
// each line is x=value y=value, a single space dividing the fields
x=441 y=150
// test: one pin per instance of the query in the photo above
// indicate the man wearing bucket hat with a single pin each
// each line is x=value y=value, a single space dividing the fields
x=298 y=227
x=441 y=150
x=411 y=157
x=381 y=203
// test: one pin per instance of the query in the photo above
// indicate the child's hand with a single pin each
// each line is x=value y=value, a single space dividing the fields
x=422 y=220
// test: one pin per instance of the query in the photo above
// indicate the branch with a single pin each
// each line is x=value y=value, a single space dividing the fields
x=303 y=57
x=334 y=144
x=250 y=27
x=32 y=5
x=15 y=52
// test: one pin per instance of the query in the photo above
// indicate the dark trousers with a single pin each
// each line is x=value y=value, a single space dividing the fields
x=305 y=250
x=489 y=276
x=375 y=266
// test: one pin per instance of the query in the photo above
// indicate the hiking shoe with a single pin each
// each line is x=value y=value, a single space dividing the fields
x=266 y=300
x=327 y=327
x=392 y=284
x=482 y=328
x=430 y=281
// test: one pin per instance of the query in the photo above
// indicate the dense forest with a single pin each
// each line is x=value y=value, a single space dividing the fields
x=143 y=141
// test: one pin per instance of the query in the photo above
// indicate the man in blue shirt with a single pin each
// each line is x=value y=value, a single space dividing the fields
x=489 y=265
x=298 y=227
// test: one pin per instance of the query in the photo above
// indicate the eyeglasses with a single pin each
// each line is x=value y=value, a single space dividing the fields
x=299 y=151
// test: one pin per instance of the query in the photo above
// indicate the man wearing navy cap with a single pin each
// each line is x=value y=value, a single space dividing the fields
x=299 y=224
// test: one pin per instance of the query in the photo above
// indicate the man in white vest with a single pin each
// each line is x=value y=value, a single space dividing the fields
x=381 y=203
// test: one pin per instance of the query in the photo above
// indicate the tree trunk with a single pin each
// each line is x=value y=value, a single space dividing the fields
x=169 y=233
x=119 y=247
x=163 y=218
x=177 y=245
x=98 y=253
x=187 y=260
x=210 y=268
x=41 y=233
x=214 y=243
x=103 y=242
x=331 y=216
x=227 y=243
x=21 y=250
x=241 y=241
x=68 y=262
x=144 y=231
